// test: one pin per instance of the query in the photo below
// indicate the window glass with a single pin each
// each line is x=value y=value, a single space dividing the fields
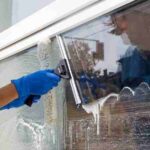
x=110 y=60
x=38 y=127
x=12 y=11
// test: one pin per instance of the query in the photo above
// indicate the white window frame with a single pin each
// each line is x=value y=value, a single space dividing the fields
x=28 y=32
x=49 y=15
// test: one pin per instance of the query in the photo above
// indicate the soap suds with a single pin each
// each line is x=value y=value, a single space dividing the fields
x=128 y=90
x=96 y=107
x=43 y=53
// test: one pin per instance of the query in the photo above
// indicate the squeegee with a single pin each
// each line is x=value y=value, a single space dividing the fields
x=61 y=70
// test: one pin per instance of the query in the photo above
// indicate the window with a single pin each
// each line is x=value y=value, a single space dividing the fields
x=102 y=51
x=110 y=61
x=102 y=45
x=38 y=127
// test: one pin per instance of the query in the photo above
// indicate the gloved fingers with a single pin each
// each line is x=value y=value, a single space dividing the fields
x=54 y=84
x=51 y=85
x=53 y=77
x=50 y=70
x=36 y=98
x=37 y=83
x=5 y=107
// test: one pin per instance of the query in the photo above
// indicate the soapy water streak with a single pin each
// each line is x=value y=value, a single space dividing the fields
x=43 y=53
x=40 y=133
x=126 y=93
x=37 y=131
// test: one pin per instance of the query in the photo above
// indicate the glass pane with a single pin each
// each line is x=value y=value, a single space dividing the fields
x=38 y=127
x=110 y=60
x=12 y=11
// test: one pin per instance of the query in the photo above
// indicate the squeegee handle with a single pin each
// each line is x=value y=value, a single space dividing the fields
x=29 y=100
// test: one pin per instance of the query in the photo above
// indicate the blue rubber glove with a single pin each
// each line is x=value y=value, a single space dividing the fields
x=20 y=102
x=36 y=84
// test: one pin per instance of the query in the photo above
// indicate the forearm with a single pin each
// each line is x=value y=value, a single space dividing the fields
x=27 y=89
x=7 y=94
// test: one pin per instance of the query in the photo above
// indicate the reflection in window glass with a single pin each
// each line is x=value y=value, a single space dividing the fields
x=13 y=11
x=111 y=55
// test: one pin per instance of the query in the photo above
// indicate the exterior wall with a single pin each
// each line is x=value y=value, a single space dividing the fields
x=5 y=14
x=22 y=9
x=13 y=11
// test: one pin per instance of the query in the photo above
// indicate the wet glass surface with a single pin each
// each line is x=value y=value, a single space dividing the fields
x=15 y=123
x=110 y=59
x=33 y=127
x=119 y=52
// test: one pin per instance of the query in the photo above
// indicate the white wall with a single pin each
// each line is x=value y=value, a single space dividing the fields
x=24 y=8
x=5 y=14
x=12 y=11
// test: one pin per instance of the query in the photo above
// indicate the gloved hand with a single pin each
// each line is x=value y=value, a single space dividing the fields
x=20 y=102
x=36 y=84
